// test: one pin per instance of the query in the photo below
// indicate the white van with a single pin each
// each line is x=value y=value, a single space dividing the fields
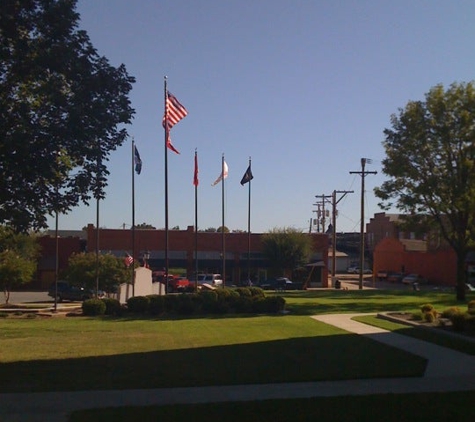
x=213 y=279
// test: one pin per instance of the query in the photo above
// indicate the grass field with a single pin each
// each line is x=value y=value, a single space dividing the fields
x=60 y=354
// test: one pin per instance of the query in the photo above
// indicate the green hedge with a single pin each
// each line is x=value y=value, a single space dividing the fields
x=220 y=301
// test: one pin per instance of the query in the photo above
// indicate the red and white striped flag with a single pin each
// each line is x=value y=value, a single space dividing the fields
x=128 y=260
x=174 y=112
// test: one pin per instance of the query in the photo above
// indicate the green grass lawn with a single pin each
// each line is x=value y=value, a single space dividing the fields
x=121 y=353
x=78 y=353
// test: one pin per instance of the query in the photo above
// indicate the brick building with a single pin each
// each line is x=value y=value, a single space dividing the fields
x=396 y=249
x=181 y=251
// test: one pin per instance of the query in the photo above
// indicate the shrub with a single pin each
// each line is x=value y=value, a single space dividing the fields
x=470 y=323
x=244 y=291
x=430 y=316
x=156 y=304
x=458 y=321
x=243 y=305
x=138 y=304
x=448 y=313
x=471 y=305
x=185 y=304
x=256 y=291
x=209 y=299
x=113 y=306
x=171 y=303
x=427 y=308
x=275 y=304
x=417 y=316
x=92 y=307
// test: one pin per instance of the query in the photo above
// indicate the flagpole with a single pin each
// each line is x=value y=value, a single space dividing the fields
x=166 y=182
x=249 y=230
x=222 y=222
x=195 y=182
x=133 y=219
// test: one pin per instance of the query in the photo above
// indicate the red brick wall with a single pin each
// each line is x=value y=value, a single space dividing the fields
x=439 y=267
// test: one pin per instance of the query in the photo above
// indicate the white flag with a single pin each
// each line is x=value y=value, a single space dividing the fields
x=223 y=175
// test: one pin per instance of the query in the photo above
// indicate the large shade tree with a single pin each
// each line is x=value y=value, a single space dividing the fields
x=62 y=111
x=286 y=249
x=431 y=166
x=18 y=259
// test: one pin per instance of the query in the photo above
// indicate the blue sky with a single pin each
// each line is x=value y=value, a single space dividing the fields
x=304 y=88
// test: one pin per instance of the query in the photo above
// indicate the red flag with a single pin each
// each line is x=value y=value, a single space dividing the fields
x=195 y=176
x=174 y=112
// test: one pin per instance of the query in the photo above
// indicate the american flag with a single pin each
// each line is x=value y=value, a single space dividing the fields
x=128 y=260
x=174 y=112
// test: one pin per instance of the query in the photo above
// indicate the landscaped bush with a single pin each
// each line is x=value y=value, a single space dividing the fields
x=430 y=316
x=427 y=308
x=186 y=305
x=113 y=306
x=138 y=304
x=458 y=321
x=244 y=291
x=92 y=307
x=171 y=303
x=471 y=305
x=448 y=313
x=275 y=304
x=256 y=291
x=209 y=298
x=470 y=323
x=156 y=304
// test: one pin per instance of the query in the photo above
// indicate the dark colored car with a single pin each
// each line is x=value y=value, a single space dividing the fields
x=280 y=283
x=72 y=293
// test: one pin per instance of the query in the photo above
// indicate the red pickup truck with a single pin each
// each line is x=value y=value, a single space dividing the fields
x=178 y=284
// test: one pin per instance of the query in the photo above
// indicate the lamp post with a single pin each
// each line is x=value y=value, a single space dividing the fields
x=146 y=257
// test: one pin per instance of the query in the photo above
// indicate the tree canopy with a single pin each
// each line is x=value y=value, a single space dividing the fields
x=286 y=249
x=431 y=166
x=62 y=108
x=18 y=254
x=111 y=272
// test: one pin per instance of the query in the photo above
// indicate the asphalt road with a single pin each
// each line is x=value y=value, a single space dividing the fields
x=27 y=297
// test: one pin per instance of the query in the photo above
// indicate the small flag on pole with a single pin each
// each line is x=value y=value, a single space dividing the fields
x=128 y=260
x=247 y=176
x=195 y=175
x=137 y=161
x=174 y=112
x=223 y=175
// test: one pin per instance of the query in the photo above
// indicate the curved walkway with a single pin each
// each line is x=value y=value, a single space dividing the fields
x=447 y=370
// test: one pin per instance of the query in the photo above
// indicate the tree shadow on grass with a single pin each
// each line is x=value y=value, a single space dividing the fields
x=318 y=358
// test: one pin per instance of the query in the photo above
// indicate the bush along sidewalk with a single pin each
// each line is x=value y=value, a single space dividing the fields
x=459 y=320
x=241 y=300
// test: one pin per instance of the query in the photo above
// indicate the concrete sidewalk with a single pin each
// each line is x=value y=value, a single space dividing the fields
x=447 y=370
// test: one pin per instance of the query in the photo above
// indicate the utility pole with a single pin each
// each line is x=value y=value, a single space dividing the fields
x=321 y=213
x=334 y=212
x=363 y=174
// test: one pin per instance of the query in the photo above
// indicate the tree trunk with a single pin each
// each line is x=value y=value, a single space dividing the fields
x=461 y=275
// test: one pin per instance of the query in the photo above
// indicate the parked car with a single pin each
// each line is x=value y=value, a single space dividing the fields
x=394 y=277
x=279 y=283
x=178 y=284
x=65 y=291
x=212 y=279
x=356 y=270
x=413 y=278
